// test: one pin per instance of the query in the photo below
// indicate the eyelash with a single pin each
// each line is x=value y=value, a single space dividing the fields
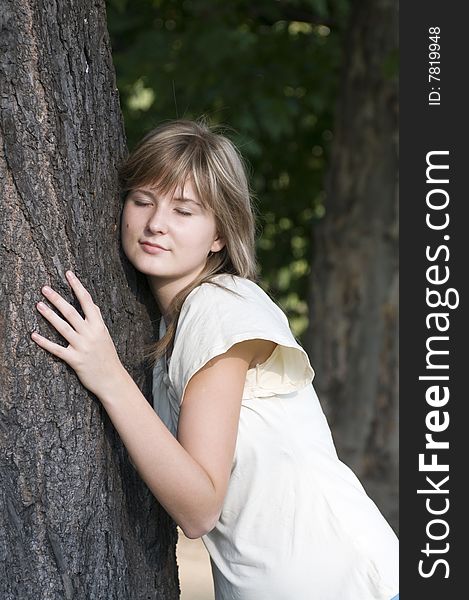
x=181 y=212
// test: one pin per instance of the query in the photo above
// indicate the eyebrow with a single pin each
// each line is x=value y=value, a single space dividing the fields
x=175 y=198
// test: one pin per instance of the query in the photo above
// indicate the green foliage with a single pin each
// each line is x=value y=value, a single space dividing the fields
x=270 y=71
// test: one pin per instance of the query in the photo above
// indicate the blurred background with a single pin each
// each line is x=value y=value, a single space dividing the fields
x=308 y=92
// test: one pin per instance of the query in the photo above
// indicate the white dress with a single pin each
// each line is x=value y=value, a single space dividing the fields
x=296 y=523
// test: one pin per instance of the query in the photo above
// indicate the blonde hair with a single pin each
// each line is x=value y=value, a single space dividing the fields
x=165 y=158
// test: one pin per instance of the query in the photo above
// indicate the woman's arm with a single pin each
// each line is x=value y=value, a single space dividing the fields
x=189 y=475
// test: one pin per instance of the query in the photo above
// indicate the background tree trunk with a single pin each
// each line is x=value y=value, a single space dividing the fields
x=76 y=521
x=353 y=337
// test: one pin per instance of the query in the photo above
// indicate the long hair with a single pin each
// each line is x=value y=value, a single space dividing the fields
x=165 y=158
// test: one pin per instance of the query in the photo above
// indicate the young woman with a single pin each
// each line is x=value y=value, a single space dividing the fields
x=237 y=448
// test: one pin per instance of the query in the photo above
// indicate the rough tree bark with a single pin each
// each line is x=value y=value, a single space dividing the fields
x=76 y=521
x=353 y=337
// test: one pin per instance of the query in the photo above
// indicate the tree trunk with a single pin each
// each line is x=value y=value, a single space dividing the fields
x=76 y=521
x=353 y=337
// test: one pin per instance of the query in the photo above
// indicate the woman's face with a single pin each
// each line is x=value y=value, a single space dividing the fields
x=185 y=231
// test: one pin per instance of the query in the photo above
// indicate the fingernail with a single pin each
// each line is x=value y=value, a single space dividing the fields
x=69 y=274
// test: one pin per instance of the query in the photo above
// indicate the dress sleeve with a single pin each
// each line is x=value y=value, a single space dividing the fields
x=215 y=319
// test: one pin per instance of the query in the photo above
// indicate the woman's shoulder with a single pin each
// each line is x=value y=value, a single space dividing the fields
x=229 y=288
x=234 y=310
x=234 y=301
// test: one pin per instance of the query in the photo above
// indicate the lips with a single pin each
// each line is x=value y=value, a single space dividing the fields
x=153 y=245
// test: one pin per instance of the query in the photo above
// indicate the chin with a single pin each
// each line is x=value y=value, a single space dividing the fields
x=150 y=270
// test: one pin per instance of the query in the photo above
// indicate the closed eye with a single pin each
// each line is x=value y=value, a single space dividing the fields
x=179 y=211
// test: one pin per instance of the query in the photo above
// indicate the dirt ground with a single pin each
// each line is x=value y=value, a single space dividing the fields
x=195 y=574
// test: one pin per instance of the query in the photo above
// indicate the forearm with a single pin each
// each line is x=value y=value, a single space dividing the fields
x=179 y=482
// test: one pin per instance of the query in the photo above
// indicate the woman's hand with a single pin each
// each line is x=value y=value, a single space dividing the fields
x=91 y=351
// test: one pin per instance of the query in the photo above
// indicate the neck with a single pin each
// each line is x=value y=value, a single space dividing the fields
x=164 y=290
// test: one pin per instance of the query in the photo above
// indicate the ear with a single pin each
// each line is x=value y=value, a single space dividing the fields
x=218 y=244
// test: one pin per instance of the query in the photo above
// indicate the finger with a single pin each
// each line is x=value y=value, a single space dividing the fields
x=62 y=326
x=86 y=301
x=51 y=347
x=67 y=310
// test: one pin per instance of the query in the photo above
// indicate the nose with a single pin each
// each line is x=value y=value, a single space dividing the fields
x=158 y=221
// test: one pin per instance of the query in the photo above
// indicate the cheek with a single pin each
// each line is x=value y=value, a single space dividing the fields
x=127 y=217
x=201 y=240
x=127 y=223
x=204 y=234
x=126 y=232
